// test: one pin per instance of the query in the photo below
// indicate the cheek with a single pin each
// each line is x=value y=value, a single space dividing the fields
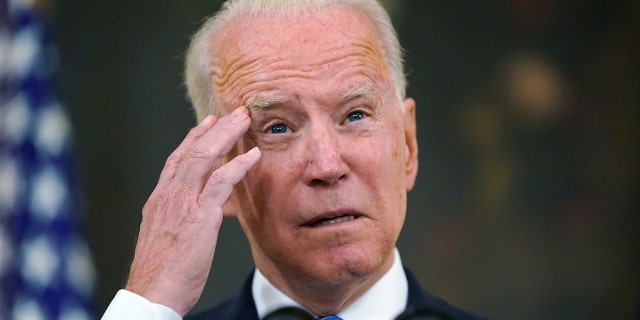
x=380 y=163
x=271 y=180
x=379 y=156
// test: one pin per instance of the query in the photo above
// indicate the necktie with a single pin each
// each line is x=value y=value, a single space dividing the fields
x=289 y=313
x=294 y=313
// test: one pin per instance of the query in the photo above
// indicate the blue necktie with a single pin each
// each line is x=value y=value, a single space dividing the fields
x=294 y=313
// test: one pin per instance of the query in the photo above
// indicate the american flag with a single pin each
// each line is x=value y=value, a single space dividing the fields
x=45 y=264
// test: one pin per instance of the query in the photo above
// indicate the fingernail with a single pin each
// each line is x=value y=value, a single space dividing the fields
x=255 y=150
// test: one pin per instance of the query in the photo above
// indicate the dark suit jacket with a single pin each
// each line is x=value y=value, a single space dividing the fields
x=242 y=306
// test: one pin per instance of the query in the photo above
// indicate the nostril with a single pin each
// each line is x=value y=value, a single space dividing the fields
x=327 y=181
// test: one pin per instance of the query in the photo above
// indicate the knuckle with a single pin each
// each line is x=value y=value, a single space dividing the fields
x=161 y=199
x=196 y=132
x=217 y=177
x=156 y=200
x=229 y=127
x=197 y=152
x=174 y=158
x=149 y=208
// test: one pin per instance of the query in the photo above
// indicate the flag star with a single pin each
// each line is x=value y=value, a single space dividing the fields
x=39 y=261
x=11 y=185
x=80 y=272
x=52 y=130
x=14 y=119
x=48 y=194
x=74 y=312
x=28 y=309
x=24 y=51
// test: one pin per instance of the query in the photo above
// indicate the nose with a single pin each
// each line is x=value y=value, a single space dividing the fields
x=324 y=158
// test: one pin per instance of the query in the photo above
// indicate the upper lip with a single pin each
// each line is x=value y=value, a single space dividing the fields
x=330 y=215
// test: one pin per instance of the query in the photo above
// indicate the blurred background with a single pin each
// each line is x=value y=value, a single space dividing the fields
x=526 y=205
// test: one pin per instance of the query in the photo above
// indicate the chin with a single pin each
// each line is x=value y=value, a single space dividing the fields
x=348 y=264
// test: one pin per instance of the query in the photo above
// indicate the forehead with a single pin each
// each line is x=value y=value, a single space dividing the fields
x=260 y=50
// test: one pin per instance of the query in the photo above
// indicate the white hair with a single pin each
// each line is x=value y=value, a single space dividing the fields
x=199 y=66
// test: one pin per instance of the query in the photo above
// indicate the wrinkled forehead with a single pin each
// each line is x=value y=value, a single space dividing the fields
x=303 y=27
x=306 y=41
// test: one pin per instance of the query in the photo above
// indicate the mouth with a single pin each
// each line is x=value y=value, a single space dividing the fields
x=332 y=219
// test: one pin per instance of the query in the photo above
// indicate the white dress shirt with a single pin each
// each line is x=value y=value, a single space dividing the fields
x=392 y=288
x=127 y=305
x=384 y=301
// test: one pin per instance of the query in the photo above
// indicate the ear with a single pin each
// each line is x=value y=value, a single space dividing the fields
x=411 y=143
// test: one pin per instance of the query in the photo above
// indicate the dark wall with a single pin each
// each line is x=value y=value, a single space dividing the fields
x=526 y=202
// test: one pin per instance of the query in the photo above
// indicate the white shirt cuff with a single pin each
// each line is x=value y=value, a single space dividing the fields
x=128 y=305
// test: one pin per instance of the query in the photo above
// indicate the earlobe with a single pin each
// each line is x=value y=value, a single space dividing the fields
x=411 y=143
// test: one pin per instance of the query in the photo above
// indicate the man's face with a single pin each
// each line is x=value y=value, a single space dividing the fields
x=326 y=201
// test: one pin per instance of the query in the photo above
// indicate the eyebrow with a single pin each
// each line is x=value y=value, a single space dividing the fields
x=263 y=103
x=364 y=90
x=259 y=103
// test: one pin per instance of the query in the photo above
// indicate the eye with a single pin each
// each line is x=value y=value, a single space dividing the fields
x=279 y=128
x=356 y=116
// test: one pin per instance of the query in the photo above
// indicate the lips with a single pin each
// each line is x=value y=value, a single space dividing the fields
x=332 y=218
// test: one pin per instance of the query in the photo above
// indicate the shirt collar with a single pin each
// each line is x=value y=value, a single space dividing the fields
x=392 y=288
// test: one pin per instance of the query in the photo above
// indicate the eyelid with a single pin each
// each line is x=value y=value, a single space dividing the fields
x=365 y=110
x=266 y=128
x=364 y=115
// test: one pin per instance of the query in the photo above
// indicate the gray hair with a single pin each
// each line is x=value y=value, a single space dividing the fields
x=199 y=66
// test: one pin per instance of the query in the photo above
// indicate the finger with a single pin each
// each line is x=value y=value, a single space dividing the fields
x=220 y=184
x=204 y=154
x=170 y=166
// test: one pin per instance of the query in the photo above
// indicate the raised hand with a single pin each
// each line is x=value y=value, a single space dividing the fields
x=181 y=219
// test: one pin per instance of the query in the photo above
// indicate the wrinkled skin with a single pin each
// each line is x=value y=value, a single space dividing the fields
x=334 y=142
x=181 y=219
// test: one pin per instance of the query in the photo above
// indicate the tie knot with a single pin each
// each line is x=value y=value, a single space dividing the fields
x=295 y=313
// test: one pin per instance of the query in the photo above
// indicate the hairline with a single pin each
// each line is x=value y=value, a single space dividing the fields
x=199 y=65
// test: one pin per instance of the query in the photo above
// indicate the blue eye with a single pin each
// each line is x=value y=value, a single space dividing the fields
x=279 y=128
x=355 y=116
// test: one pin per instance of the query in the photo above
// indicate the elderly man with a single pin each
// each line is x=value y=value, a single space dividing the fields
x=307 y=138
